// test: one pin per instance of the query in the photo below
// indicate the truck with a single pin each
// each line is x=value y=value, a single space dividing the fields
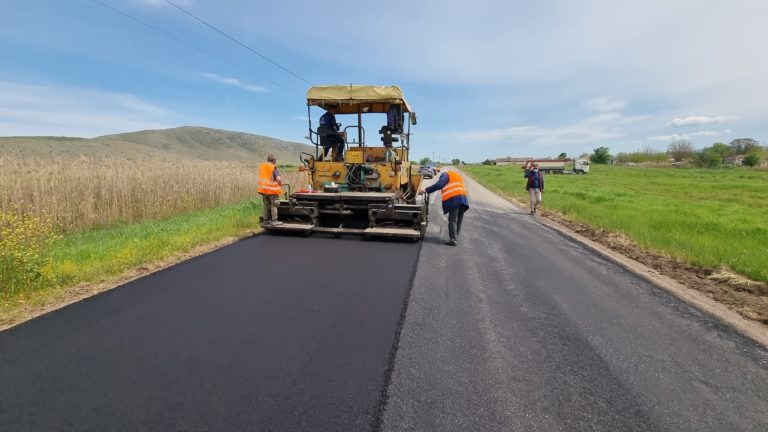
x=560 y=166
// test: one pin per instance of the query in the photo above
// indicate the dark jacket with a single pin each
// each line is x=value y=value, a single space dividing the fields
x=451 y=203
x=534 y=181
x=329 y=120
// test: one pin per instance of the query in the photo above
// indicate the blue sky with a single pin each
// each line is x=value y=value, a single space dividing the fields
x=487 y=78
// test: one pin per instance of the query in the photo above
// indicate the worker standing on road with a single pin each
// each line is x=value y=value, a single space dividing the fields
x=535 y=186
x=455 y=201
x=270 y=188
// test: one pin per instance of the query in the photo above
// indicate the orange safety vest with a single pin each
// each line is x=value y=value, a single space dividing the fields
x=267 y=185
x=455 y=186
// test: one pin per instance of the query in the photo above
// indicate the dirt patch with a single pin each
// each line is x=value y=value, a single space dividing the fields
x=46 y=301
x=747 y=297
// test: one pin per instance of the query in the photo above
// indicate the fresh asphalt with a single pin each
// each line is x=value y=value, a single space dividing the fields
x=273 y=333
x=517 y=328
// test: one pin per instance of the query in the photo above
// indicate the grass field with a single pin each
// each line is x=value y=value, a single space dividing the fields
x=84 y=193
x=707 y=217
x=68 y=221
x=101 y=253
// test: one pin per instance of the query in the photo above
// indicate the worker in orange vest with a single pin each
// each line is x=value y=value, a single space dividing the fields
x=270 y=188
x=455 y=201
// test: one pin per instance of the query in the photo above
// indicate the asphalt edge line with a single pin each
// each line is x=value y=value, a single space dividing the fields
x=743 y=326
x=92 y=289
x=750 y=329
x=377 y=422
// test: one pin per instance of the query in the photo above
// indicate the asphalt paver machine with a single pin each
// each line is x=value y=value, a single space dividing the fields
x=368 y=188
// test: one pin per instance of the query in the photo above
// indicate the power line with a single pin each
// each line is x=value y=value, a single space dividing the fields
x=237 y=41
x=163 y=32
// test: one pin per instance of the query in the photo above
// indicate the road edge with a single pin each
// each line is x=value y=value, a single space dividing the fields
x=78 y=292
x=745 y=327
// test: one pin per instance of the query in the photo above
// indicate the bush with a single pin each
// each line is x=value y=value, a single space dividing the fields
x=707 y=158
x=646 y=155
x=23 y=264
x=680 y=150
x=601 y=155
x=752 y=160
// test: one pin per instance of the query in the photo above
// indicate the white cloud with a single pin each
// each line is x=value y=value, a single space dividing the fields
x=62 y=111
x=604 y=104
x=688 y=136
x=700 y=120
x=579 y=133
x=233 y=82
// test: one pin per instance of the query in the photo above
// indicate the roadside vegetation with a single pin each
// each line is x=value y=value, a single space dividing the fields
x=64 y=222
x=712 y=218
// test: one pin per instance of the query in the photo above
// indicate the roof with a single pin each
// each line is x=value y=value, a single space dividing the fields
x=347 y=99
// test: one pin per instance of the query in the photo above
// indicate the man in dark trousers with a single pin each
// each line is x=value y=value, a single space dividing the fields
x=535 y=186
x=455 y=201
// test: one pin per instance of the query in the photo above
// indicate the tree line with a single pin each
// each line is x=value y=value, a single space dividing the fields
x=684 y=151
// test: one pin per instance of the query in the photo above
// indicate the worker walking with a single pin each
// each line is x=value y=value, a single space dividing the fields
x=534 y=186
x=455 y=201
x=270 y=187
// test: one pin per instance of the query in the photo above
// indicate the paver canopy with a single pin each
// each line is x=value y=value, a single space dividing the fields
x=351 y=99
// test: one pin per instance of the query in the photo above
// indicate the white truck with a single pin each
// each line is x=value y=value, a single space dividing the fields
x=560 y=166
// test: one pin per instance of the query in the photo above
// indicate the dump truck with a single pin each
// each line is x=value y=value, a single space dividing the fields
x=560 y=166
x=370 y=189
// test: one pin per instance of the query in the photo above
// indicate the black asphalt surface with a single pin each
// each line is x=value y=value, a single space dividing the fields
x=273 y=333
x=516 y=329
x=521 y=329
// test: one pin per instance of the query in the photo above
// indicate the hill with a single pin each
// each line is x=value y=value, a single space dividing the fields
x=188 y=143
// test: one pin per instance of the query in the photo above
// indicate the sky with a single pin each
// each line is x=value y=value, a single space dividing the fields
x=487 y=78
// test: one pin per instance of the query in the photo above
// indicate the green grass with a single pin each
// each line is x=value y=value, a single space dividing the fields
x=94 y=254
x=707 y=217
x=98 y=254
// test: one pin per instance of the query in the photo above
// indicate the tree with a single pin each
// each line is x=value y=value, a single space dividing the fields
x=741 y=146
x=707 y=158
x=680 y=150
x=752 y=159
x=601 y=155
x=455 y=161
x=425 y=161
x=488 y=162
x=722 y=150
x=562 y=155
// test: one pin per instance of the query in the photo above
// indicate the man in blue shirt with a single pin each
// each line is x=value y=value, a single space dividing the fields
x=329 y=120
x=455 y=202
x=330 y=136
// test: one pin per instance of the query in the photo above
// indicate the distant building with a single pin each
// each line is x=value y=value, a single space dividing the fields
x=734 y=160
x=512 y=160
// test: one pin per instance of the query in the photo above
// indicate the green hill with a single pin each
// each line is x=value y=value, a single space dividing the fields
x=186 y=142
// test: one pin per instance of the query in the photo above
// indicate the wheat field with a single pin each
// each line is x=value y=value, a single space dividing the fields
x=84 y=193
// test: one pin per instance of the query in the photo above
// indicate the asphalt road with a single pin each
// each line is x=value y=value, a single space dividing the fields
x=269 y=334
x=516 y=329
x=521 y=329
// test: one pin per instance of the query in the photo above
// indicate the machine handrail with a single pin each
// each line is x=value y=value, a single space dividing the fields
x=356 y=127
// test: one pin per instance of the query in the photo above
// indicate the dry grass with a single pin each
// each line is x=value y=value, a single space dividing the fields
x=86 y=193
x=114 y=214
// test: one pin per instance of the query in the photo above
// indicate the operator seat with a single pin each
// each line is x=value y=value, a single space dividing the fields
x=331 y=139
